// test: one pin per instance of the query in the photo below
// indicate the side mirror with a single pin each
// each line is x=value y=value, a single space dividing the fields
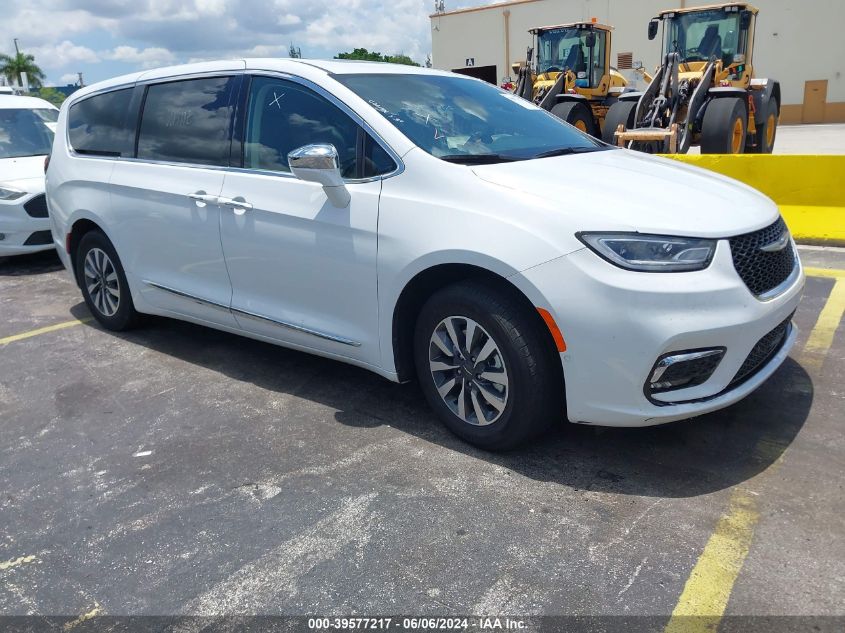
x=745 y=20
x=652 y=29
x=590 y=40
x=319 y=163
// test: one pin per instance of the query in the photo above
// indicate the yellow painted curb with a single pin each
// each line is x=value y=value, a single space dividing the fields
x=810 y=190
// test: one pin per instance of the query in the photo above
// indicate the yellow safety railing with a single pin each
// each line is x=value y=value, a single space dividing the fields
x=810 y=190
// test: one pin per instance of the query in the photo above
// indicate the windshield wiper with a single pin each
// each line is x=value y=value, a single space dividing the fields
x=478 y=159
x=566 y=151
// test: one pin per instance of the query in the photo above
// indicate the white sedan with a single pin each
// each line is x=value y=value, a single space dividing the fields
x=425 y=226
x=27 y=125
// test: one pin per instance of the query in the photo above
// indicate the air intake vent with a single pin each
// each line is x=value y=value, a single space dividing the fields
x=625 y=61
x=37 y=207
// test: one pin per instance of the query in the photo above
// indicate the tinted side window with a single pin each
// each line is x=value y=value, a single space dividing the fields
x=187 y=121
x=377 y=161
x=96 y=125
x=283 y=116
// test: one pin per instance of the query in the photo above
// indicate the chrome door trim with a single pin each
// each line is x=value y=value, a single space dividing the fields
x=296 y=328
x=185 y=295
x=237 y=311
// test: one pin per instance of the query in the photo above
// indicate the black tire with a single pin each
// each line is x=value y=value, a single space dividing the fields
x=101 y=304
x=620 y=112
x=577 y=114
x=534 y=395
x=724 y=126
x=767 y=126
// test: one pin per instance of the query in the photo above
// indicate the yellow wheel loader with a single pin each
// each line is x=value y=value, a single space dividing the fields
x=704 y=92
x=572 y=77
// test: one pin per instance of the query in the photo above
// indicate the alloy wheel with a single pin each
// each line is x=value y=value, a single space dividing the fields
x=469 y=370
x=101 y=282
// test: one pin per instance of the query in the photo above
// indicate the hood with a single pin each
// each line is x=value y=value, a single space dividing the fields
x=621 y=190
x=25 y=173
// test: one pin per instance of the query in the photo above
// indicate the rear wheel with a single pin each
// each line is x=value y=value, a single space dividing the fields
x=103 y=283
x=487 y=365
x=724 y=126
x=767 y=125
x=620 y=112
x=576 y=114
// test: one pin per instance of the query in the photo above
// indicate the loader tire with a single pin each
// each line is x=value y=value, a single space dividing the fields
x=576 y=114
x=767 y=127
x=620 y=112
x=724 y=127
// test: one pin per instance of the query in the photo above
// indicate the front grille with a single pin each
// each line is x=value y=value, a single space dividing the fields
x=760 y=270
x=37 y=207
x=39 y=238
x=762 y=352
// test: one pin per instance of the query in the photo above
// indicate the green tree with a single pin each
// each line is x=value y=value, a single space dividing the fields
x=13 y=65
x=52 y=95
x=400 y=59
x=364 y=55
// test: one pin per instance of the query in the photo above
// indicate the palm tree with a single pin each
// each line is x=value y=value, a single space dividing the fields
x=13 y=65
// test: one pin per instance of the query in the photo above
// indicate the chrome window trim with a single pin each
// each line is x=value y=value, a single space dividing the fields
x=237 y=311
x=357 y=118
x=149 y=82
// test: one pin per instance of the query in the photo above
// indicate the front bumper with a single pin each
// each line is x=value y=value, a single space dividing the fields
x=22 y=233
x=616 y=323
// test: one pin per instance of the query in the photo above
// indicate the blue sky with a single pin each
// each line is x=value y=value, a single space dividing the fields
x=104 y=38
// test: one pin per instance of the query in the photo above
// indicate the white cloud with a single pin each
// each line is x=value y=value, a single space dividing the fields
x=63 y=54
x=68 y=78
x=148 y=33
x=145 y=58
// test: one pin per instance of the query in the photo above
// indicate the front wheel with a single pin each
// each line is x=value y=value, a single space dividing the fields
x=767 y=126
x=103 y=283
x=576 y=114
x=487 y=365
x=620 y=112
x=724 y=126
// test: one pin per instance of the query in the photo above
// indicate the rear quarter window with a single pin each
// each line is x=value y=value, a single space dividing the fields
x=98 y=125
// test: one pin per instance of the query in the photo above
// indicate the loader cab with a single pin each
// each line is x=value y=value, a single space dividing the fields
x=583 y=49
x=723 y=33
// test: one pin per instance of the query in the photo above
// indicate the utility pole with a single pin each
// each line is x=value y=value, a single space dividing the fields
x=81 y=83
x=17 y=50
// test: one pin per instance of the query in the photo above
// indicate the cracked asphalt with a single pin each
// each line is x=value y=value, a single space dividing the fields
x=180 y=470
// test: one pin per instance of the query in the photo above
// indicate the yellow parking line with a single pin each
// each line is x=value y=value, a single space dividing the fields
x=709 y=585
x=43 y=330
x=93 y=613
x=825 y=272
x=822 y=335
x=708 y=588
x=20 y=560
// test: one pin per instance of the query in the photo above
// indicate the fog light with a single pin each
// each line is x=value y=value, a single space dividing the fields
x=680 y=370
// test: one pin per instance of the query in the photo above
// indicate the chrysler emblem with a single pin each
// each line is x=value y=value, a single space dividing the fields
x=778 y=245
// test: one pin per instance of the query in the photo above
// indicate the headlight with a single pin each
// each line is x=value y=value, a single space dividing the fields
x=651 y=253
x=8 y=193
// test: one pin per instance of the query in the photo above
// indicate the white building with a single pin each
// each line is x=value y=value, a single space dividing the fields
x=799 y=43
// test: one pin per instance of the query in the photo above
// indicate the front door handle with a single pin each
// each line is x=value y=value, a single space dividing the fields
x=238 y=205
x=202 y=198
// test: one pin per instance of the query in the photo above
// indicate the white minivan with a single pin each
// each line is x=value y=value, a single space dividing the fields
x=427 y=226
x=27 y=125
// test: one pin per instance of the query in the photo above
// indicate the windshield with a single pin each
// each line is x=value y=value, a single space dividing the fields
x=454 y=117
x=700 y=35
x=25 y=132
